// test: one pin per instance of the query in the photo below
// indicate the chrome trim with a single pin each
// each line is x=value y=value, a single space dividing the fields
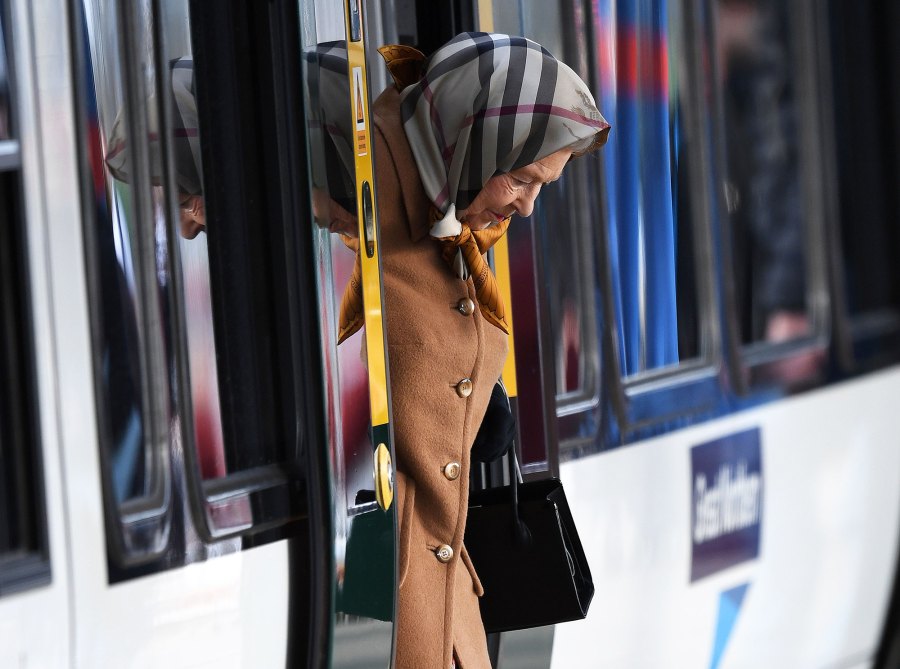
x=811 y=160
x=731 y=343
x=672 y=376
x=10 y=156
x=154 y=393
x=842 y=337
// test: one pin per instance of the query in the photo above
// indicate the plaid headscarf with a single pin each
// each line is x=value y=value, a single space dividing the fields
x=489 y=104
x=329 y=122
x=186 y=138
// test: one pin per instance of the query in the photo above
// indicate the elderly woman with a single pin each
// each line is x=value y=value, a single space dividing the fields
x=463 y=141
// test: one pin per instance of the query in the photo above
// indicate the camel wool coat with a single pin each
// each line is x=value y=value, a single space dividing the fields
x=444 y=361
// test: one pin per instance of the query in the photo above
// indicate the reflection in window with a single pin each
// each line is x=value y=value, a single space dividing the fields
x=333 y=178
x=198 y=316
x=234 y=257
x=236 y=244
x=565 y=216
x=763 y=189
x=129 y=273
x=567 y=240
x=363 y=533
x=647 y=214
x=650 y=232
x=542 y=22
x=191 y=261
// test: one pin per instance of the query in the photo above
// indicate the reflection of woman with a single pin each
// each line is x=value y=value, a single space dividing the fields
x=464 y=141
x=185 y=146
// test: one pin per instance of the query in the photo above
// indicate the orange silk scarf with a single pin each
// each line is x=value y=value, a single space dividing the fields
x=473 y=244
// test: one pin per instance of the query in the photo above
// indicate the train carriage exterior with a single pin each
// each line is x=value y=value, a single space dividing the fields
x=705 y=333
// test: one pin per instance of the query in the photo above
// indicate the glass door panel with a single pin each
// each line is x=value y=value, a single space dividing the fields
x=341 y=165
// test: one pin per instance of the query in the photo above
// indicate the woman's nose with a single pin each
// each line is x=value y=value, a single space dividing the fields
x=525 y=203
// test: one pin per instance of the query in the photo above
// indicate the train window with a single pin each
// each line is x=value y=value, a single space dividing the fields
x=866 y=75
x=18 y=446
x=559 y=245
x=541 y=21
x=5 y=119
x=261 y=366
x=658 y=244
x=23 y=541
x=228 y=436
x=629 y=274
x=197 y=333
x=129 y=276
x=646 y=206
x=770 y=194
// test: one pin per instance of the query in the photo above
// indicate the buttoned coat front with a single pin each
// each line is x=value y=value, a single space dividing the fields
x=444 y=361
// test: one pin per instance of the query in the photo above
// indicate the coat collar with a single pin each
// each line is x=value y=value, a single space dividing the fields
x=386 y=116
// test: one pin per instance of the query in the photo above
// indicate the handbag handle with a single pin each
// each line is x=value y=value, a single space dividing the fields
x=521 y=533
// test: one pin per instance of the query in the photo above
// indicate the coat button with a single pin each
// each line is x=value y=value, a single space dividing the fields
x=466 y=307
x=451 y=470
x=464 y=388
x=444 y=553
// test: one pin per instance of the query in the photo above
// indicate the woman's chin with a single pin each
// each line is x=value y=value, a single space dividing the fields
x=190 y=229
x=479 y=223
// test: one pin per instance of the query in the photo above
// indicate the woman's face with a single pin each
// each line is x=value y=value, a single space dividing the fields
x=514 y=192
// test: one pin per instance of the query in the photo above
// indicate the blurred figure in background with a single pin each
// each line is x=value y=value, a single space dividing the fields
x=764 y=187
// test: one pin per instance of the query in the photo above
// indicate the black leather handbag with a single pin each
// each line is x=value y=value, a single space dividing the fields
x=526 y=550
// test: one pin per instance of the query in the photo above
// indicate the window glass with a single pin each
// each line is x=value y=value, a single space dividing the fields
x=565 y=218
x=363 y=533
x=333 y=177
x=194 y=323
x=192 y=241
x=867 y=145
x=5 y=121
x=764 y=182
x=130 y=267
x=635 y=190
x=18 y=445
x=22 y=524
x=652 y=234
x=638 y=189
x=539 y=21
x=571 y=271
x=200 y=317
x=242 y=293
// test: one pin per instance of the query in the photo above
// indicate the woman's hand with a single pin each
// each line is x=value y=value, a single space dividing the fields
x=329 y=214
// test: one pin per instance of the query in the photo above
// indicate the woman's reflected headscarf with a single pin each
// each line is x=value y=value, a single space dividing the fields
x=330 y=123
x=185 y=134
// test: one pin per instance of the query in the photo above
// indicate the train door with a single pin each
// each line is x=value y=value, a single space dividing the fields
x=337 y=88
x=34 y=595
x=199 y=499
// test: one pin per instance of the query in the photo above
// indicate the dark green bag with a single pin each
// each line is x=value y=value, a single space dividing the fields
x=367 y=588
